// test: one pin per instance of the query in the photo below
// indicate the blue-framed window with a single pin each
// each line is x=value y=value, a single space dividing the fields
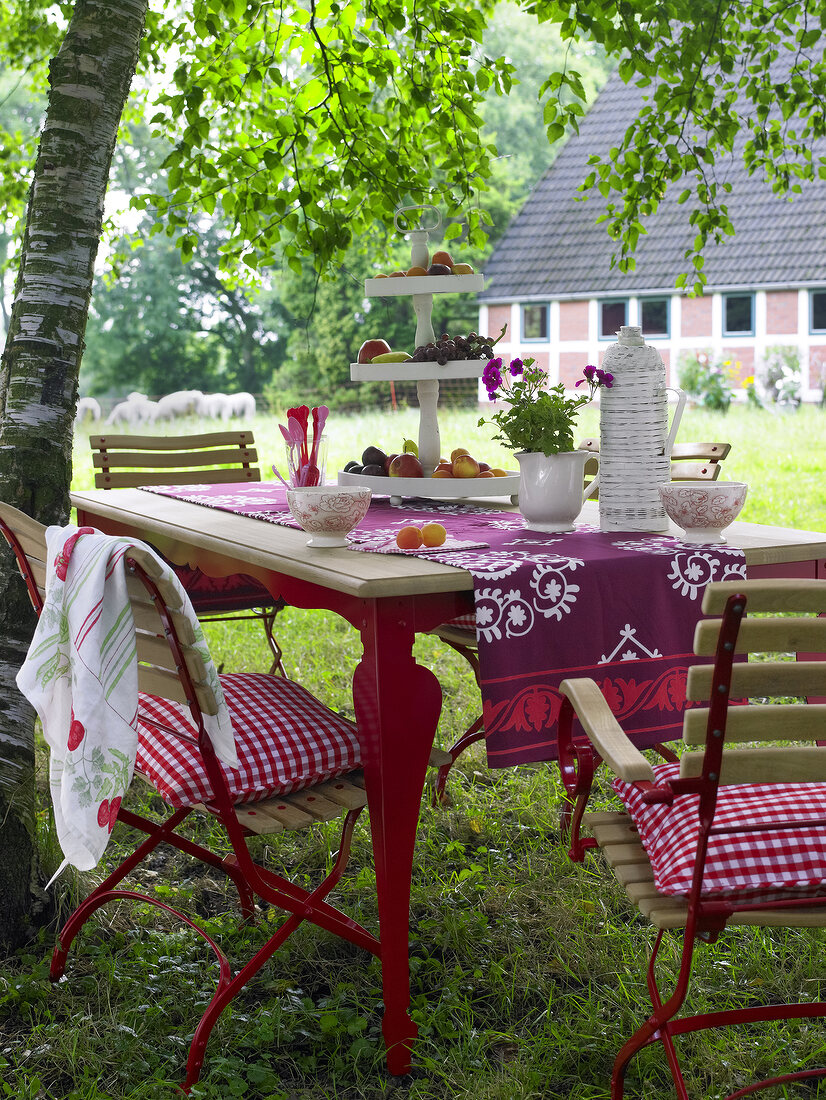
x=613 y=314
x=535 y=321
x=817 y=311
x=655 y=317
x=738 y=315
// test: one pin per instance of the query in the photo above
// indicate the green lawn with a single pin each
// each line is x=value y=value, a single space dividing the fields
x=526 y=969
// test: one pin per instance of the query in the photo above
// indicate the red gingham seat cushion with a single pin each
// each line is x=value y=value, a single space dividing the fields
x=757 y=864
x=285 y=738
x=237 y=592
x=464 y=622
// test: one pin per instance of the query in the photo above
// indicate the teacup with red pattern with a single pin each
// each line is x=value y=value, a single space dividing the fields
x=328 y=512
x=703 y=511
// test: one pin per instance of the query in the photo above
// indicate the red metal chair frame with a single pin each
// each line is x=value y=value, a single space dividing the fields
x=707 y=917
x=251 y=879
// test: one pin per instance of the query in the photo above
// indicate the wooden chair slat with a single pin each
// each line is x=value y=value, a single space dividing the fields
x=174 y=459
x=252 y=818
x=156 y=681
x=155 y=651
x=438 y=758
x=761 y=722
x=172 y=442
x=695 y=471
x=618 y=832
x=127 y=480
x=704 y=452
x=627 y=873
x=604 y=817
x=148 y=620
x=138 y=592
x=28 y=530
x=347 y=795
x=788 y=635
x=774 y=595
x=316 y=805
x=618 y=854
x=288 y=815
x=796 y=764
x=762 y=678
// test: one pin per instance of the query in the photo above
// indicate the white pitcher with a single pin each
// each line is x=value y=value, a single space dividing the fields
x=634 y=441
x=550 y=489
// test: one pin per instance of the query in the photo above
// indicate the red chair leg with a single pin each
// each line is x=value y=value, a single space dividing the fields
x=225 y=993
x=475 y=733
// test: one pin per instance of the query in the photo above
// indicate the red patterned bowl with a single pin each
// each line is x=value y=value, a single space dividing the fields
x=328 y=512
x=703 y=511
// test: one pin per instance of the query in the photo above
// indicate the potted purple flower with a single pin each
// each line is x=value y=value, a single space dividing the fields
x=537 y=421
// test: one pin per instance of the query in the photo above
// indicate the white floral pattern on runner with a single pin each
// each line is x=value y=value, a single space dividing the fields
x=628 y=636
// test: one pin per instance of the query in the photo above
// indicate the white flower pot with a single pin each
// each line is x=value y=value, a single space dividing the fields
x=550 y=489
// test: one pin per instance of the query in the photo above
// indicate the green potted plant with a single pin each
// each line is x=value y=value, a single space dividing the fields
x=537 y=422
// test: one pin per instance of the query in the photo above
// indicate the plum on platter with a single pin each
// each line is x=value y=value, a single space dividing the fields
x=373 y=456
x=439 y=269
x=372 y=469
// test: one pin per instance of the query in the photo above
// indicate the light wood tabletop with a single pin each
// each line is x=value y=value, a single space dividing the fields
x=181 y=525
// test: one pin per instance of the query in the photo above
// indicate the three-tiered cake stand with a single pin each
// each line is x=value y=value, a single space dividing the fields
x=427 y=377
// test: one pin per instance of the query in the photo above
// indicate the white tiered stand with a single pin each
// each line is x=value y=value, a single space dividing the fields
x=427 y=376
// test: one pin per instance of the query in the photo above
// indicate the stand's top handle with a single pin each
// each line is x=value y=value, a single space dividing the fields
x=422 y=228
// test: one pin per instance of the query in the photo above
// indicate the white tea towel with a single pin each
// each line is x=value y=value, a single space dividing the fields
x=81 y=677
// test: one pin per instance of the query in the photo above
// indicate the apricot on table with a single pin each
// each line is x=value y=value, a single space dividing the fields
x=433 y=534
x=409 y=538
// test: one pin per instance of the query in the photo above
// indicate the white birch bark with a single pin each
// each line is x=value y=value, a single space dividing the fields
x=89 y=82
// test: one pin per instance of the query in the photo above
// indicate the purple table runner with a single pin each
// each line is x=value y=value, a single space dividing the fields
x=620 y=607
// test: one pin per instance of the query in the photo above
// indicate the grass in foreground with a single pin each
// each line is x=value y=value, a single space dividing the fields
x=526 y=969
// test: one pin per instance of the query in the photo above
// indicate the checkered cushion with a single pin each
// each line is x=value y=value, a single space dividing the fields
x=286 y=740
x=757 y=864
x=237 y=592
x=464 y=622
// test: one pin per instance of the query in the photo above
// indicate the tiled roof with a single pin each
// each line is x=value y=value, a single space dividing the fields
x=553 y=248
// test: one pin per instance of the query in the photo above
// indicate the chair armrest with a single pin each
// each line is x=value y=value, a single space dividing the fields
x=605 y=733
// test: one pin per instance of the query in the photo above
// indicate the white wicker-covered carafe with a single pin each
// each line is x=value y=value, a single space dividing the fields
x=634 y=440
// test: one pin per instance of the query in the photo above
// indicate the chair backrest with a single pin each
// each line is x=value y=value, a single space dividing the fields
x=27 y=539
x=689 y=461
x=169 y=665
x=790 y=620
x=126 y=461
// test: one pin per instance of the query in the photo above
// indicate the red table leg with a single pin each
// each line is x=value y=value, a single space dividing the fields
x=397 y=706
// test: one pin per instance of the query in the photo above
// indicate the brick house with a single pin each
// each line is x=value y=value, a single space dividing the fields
x=549 y=278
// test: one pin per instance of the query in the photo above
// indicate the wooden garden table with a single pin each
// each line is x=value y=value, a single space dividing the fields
x=389 y=599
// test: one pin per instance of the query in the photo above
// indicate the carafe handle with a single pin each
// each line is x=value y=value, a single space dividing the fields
x=675 y=421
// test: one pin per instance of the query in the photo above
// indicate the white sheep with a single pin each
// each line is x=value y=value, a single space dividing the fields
x=227 y=405
x=180 y=403
x=87 y=406
x=136 y=409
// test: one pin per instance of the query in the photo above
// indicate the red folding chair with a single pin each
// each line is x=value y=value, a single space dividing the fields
x=298 y=764
x=129 y=461
x=731 y=834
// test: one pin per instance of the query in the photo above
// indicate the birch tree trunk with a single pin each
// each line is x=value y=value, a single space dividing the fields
x=89 y=81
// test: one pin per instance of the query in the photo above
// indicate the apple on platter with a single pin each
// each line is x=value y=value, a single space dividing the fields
x=370 y=348
x=406 y=465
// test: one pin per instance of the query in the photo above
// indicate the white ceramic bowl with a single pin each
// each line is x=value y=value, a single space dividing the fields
x=703 y=511
x=328 y=512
